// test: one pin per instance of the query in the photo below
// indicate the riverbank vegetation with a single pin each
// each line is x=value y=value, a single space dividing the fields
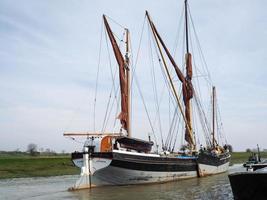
x=241 y=157
x=21 y=164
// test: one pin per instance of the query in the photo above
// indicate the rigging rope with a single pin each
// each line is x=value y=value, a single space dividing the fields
x=167 y=83
x=203 y=120
x=171 y=130
x=113 y=75
x=111 y=108
x=209 y=80
x=114 y=21
x=177 y=131
x=178 y=32
x=208 y=77
x=97 y=75
x=138 y=85
x=219 y=118
x=155 y=86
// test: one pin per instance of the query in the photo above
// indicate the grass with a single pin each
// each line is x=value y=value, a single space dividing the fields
x=18 y=165
x=241 y=157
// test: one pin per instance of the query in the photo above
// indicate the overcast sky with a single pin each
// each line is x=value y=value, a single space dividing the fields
x=49 y=56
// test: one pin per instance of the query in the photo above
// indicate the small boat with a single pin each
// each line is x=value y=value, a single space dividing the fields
x=249 y=185
x=255 y=161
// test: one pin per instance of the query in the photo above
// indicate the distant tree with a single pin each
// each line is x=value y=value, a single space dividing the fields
x=230 y=148
x=32 y=149
x=17 y=150
x=53 y=152
x=41 y=149
x=47 y=150
x=248 y=150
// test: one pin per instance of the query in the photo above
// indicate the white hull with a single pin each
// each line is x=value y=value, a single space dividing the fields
x=206 y=170
x=98 y=172
x=119 y=176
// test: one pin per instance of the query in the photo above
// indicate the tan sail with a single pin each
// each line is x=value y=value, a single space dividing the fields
x=124 y=80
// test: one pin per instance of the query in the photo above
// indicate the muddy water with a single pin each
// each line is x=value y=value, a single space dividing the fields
x=213 y=187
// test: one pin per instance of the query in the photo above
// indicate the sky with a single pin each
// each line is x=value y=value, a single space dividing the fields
x=49 y=56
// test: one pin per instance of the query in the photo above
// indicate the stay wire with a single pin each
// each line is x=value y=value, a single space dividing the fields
x=178 y=32
x=138 y=85
x=177 y=132
x=112 y=87
x=171 y=130
x=154 y=85
x=117 y=23
x=167 y=84
x=116 y=90
x=97 y=75
x=109 y=108
x=113 y=83
x=199 y=45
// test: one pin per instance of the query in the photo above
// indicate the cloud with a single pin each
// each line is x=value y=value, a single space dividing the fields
x=49 y=59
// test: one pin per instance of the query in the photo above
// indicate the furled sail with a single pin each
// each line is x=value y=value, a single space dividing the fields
x=188 y=91
x=123 y=67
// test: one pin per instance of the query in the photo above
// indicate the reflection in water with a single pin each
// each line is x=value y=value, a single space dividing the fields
x=213 y=187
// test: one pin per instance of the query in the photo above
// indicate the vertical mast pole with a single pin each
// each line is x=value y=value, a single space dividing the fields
x=186 y=27
x=127 y=62
x=213 y=116
x=188 y=57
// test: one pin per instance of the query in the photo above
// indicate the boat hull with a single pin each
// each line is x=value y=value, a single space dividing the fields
x=138 y=168
x=249 y=185
x=209 y=164
x=123 y=176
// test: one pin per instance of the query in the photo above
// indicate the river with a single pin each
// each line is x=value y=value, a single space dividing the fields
x=207 y=188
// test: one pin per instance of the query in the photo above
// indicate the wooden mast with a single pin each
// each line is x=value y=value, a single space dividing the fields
x=186 y=27
x=188 y=94
x=127 y=63
x=124 y=76
x=213 y=116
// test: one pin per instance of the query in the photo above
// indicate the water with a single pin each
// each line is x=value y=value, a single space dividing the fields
x=208 y=188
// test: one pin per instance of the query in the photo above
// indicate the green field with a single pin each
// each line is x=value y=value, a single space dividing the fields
x=16 y=166
x=23 y=165
x=241 y=157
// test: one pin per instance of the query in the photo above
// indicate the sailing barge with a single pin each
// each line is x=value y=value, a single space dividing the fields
x=120 y=159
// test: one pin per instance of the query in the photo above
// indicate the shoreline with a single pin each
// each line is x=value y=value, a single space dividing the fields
x=36 y=166
x=13 y=166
